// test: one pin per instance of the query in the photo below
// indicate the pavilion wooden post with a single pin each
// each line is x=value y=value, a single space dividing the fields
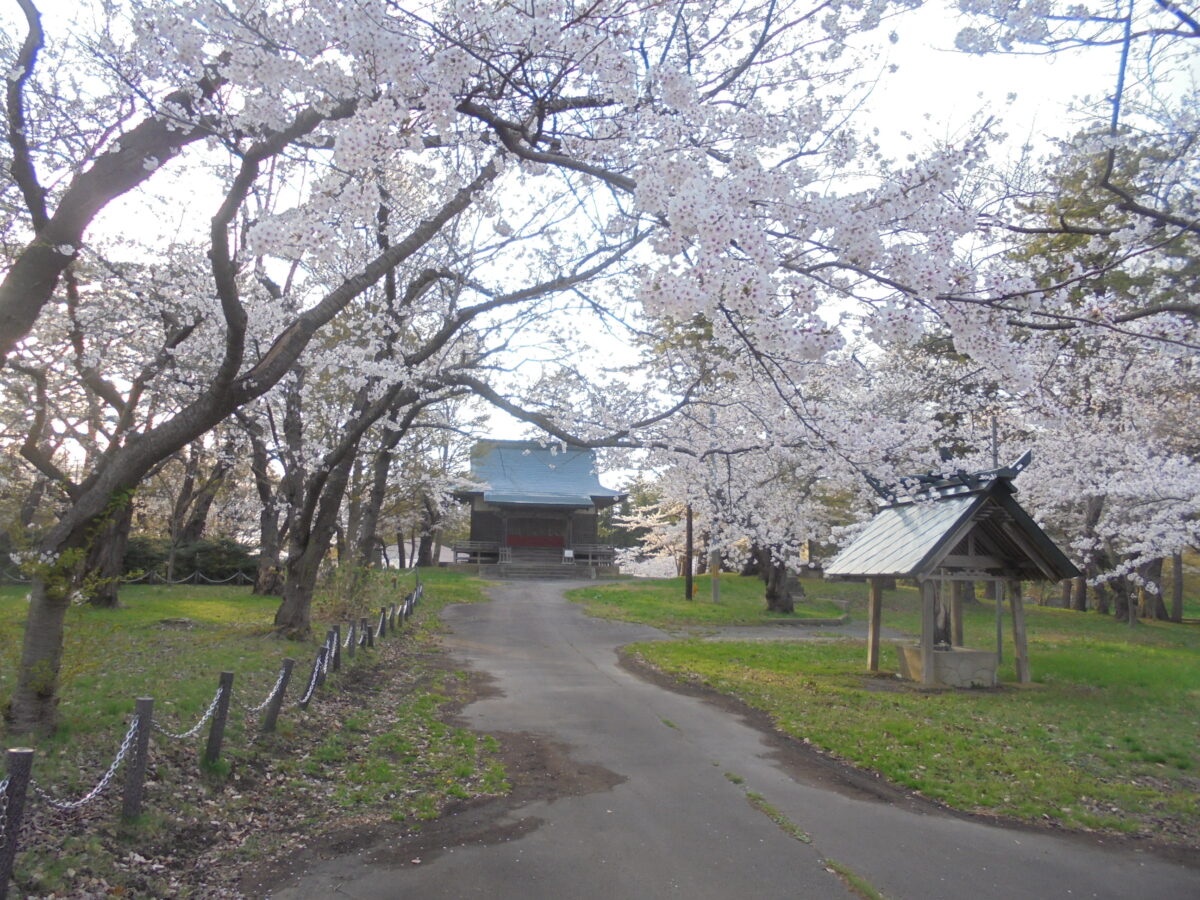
x=1017 y=604
x=998 y=599
x=874 y=607
x=928 y=616
x=957 y=589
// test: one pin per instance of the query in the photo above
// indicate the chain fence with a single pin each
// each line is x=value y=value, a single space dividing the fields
x=275 y=688
x=72 y=805
x=195 y=729
x=15 y=576
x=18 y=786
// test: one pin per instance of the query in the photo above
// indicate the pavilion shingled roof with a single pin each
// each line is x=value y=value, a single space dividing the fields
x=961 y=523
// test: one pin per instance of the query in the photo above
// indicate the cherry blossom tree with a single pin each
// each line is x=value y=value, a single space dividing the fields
x=701 y=150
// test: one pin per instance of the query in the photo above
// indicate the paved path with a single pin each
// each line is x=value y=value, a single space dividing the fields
x=657 y=815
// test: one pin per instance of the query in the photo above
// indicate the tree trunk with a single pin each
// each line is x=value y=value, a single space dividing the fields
x=1124 y=605
x=196 y=523
x=268 y=580
x=311 y=534
x=1102 y=599
x=1177 y=587
x=293 y=618
x=779 y=597
x=31 y=503
x=350 y=537
x=339 y=543
x=1150 y=594
x=753 y=565
x=400 y=558
x=368 y=525
x=702 y=558
x=105 y=563
x=1079 y=594
x=778 y=593
x=33 y=708
x=425 y=551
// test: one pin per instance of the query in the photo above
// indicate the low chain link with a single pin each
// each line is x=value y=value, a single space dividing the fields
x=270 y=697
x=195 y=729
x=101 y=785
x=312 y=686
x=4 y=811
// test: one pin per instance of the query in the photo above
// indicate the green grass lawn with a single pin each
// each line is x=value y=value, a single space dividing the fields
x=660 y=602
x=350 y=754
x=113 y=656
x=1105 y=739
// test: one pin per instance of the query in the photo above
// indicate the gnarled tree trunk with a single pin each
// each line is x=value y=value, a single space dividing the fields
x=775 y=575
x=105 y=562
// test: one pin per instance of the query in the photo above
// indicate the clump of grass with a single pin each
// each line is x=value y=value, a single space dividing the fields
x=858 y=885
x=660 y=602
x=759 y=802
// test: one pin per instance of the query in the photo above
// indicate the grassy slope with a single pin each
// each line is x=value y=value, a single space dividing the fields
x=1106 y=739
x=356 y=753
x=660 y=602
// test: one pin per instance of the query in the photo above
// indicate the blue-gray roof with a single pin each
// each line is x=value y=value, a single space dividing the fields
x=526 y=473
x=899 y=538
x=914 y=538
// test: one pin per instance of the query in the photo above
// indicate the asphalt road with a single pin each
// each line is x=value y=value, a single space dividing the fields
x=638 y=791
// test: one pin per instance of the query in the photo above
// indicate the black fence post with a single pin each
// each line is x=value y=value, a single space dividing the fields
x=276 y=701
x=370 y=636
x=391 y=616
x=336 y=631
x=352 y=634
x=216 y=731
x=382 y=631
x=20 y=764
x=135 y=777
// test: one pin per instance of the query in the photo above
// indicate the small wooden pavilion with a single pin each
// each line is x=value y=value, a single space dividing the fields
x=941 y=530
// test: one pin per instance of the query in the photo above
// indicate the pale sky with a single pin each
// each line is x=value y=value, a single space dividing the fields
x=935 y=95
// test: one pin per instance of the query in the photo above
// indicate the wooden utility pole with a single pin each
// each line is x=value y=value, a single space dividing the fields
x=687 y=574
x=714 y=568
x=1177 y=587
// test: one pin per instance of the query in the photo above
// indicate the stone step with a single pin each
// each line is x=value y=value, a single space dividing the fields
x=537 y=572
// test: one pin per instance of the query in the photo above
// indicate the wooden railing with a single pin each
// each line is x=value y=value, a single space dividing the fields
x=474 y=552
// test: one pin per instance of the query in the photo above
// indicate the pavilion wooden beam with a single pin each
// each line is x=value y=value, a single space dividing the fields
x=874 y=614
x=928 y=616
